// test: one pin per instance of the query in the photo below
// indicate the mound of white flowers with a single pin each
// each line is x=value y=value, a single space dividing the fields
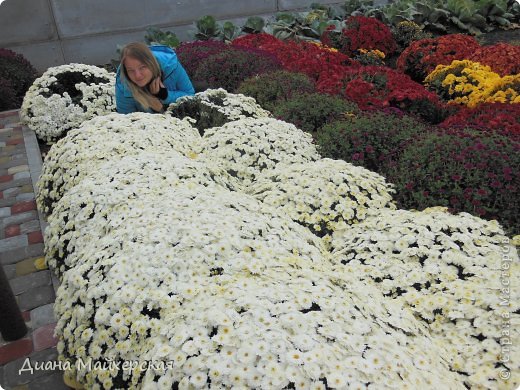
x=323 y=195
x=216 y=292
x=81 y=214
x=457 y=273
x=107 y=138
x=247 y=147
x=64 y=97
x=216 y=107
x=196 y=262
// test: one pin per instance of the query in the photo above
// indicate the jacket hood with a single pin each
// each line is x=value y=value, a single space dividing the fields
x=167 y=59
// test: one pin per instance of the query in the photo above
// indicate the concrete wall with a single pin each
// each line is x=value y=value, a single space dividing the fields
x=55 y=32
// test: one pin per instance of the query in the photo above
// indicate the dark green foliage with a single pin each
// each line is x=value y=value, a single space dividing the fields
x=372 y=140
x=19 y=73
x=156 y=36
x=66 y=82
x=229 y=68
x=464 y=170
x=7 y=95
x=279 y=86
x=311 y=111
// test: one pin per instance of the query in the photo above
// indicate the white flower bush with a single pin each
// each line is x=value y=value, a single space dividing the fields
x=196 y=262
x=233 y=296
x=81 y=213
x=323 y=195
x=216 y=107
x=247 y=147
x=103 y=139
x=64 y=97
x=457 y=273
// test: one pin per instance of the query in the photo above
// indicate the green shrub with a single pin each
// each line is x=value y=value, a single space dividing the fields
x=7 y=95
x=310 y=111
x=268 y=89
x=229 y=68
x=464 y=170
x=371 y=140
x=19 y=72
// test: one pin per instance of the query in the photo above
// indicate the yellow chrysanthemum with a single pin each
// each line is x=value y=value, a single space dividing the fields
x=471 y=83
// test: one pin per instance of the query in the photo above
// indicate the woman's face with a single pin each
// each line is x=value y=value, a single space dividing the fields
x=138 y=72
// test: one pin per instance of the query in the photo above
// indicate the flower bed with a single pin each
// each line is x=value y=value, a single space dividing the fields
x=215 y=107
x=445 y=269
x=220 y=245
x=103 y=138
x=64 y=97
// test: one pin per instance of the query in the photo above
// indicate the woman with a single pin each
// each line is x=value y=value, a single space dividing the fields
x=149 y=78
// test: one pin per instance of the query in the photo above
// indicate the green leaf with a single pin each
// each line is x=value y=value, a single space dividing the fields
x=285 y=17
x=254 y=24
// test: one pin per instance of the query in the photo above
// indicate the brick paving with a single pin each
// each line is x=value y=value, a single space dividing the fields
x=22 y=257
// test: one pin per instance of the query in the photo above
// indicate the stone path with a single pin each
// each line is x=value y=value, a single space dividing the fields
x=21 y=256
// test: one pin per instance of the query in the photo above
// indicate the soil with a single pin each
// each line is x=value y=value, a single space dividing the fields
x=507 y=36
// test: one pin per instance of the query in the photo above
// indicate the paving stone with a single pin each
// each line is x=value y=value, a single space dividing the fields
x=30 y=226
x=15 y=183
x=22 y=175
x=11 y=192
x=12 y=150
x=43 y=337
x=15 y=161
x=24 y=283
x=6 y=178
x=27 y=188
x=5 y=212
x=12 y=243
x=8 y=202
x=20 y=218
x=15 y=141
x=13 y=375
x=25 y=267
x=11 y=231
x=43 y=315
x=21 y=207
x=25 y=196
x=35 y=297
x=15 y=350
x=53 y=381
x=17 y=169
x=2 y=144
x=15 y=255
x=10 y=271
x=35 y=237
x=4 y=160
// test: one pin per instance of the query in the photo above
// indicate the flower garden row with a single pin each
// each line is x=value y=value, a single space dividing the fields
x=246 y=252
x=238 y=256
x=452 y=141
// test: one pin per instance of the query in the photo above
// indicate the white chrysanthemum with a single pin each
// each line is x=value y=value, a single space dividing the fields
x=64 y=97
x=323 y=195
x=455 y=272
x=84 y=208
x=247 y=147
x=105 y=139
x=216 y=107
x=191 y=260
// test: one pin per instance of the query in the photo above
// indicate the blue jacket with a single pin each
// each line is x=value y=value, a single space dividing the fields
x=175 y=79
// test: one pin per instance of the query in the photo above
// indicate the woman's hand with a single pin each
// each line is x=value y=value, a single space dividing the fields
x=156 y=105
x=156 y=85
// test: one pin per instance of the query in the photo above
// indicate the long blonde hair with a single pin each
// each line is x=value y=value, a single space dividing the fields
x=142 y=53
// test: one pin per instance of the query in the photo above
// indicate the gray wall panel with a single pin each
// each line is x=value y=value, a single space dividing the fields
x=26 y=20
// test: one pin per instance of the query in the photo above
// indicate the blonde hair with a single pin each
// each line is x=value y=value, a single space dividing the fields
x=142 y=53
